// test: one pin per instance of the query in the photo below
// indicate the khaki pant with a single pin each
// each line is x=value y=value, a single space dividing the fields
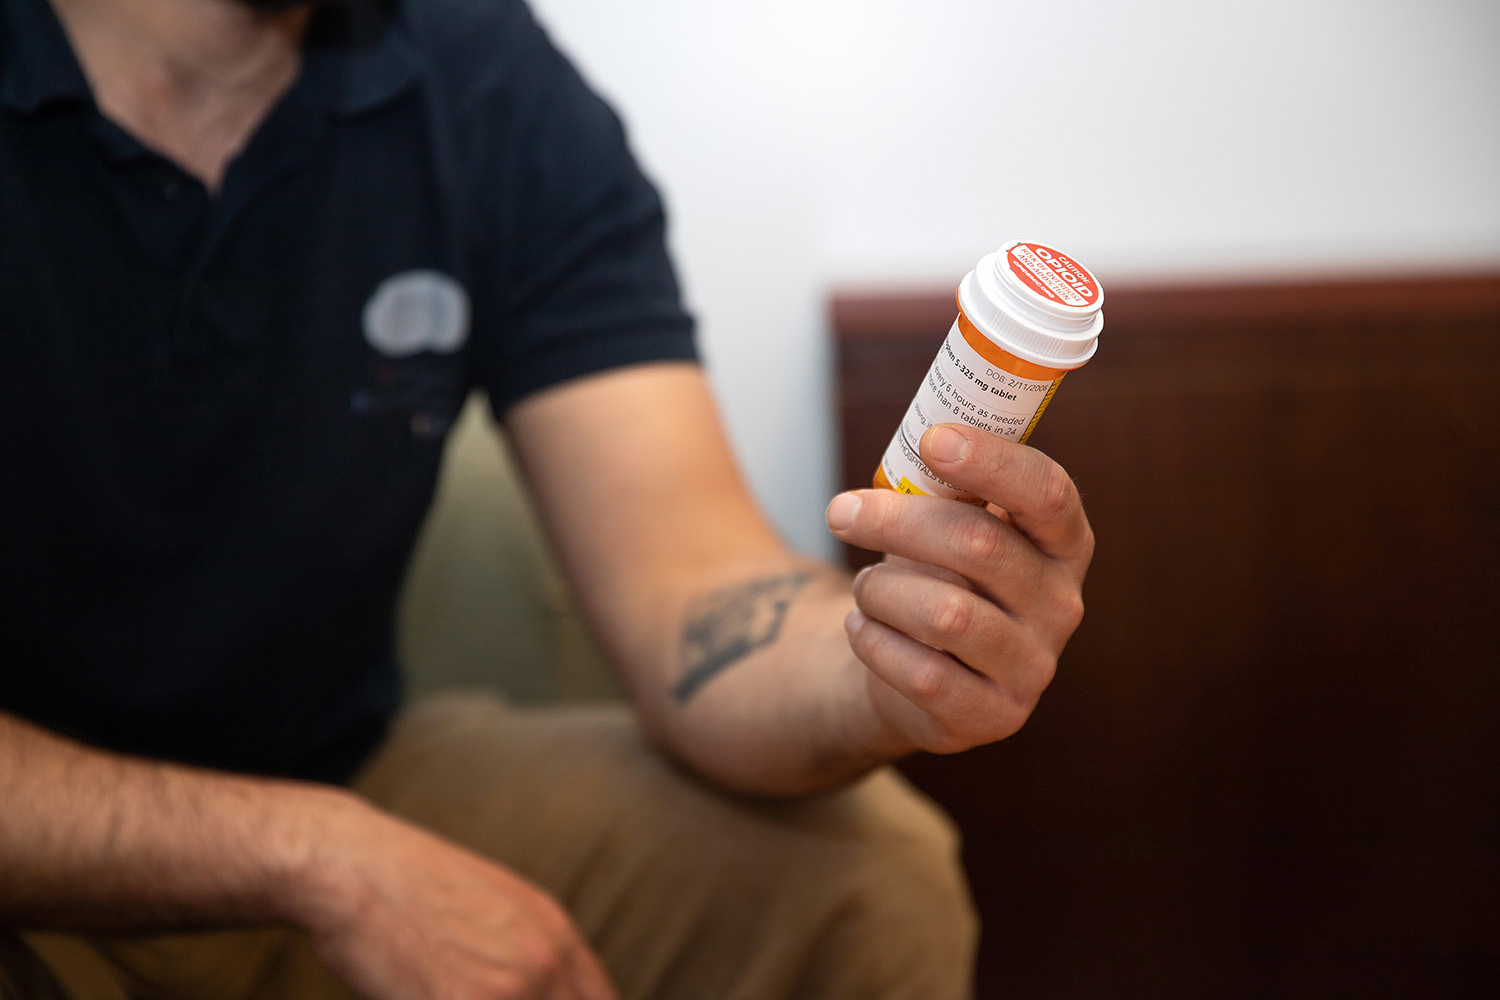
x=686 y=892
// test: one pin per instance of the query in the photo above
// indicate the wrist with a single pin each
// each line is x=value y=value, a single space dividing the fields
x=306 y=873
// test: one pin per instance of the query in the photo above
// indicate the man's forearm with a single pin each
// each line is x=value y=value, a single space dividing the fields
x=763 y=694
x=93 y=840
x=741 y=665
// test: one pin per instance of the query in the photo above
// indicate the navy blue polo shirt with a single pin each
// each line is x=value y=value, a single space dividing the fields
x=221 y=415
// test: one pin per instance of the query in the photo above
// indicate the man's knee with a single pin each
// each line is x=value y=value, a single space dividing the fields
x=905 y=924
x=856 y=895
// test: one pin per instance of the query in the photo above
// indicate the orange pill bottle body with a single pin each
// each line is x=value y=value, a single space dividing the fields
x=1027 y=315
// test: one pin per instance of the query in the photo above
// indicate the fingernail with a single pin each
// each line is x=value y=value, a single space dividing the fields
x=842 y=511
x=947 y=445
x=853 y=622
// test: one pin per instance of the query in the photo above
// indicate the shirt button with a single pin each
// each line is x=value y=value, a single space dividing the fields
x=172 y=190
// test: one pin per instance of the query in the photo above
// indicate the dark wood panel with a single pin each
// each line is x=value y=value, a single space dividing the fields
x=1270 y=763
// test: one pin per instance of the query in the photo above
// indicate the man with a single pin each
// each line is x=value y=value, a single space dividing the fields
x=252 y=257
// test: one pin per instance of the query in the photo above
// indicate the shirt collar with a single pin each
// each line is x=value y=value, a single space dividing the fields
x=356 y=57
x=37 y=66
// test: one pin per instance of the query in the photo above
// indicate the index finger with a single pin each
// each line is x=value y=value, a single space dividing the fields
x=1035 y=491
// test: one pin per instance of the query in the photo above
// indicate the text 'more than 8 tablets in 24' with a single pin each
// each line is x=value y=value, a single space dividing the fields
x=1027 y=315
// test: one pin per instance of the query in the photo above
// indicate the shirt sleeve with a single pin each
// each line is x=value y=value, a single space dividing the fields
x=572 y=272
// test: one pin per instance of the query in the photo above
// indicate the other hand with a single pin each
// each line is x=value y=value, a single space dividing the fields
x=400 y=914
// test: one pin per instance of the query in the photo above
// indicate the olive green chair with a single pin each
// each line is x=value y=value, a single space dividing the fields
x=484 y=605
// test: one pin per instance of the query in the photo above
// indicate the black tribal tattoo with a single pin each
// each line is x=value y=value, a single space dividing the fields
x=728 y=625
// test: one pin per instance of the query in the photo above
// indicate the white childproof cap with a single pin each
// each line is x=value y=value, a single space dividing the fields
x=1037 y=303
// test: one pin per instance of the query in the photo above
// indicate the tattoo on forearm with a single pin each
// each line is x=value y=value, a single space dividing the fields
x=728 y=625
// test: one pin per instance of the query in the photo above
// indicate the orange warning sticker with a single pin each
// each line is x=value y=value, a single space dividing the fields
x=1053 y=275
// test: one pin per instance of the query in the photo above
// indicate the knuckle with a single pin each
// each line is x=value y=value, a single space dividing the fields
x=1009 y=713
x=927 y=678
x=1070 y=610
x=542 y=958
x=979 y=540
x=1008 y=725
x=1042 y=675
x=551 y=925
x=1087 y=542
x=951 y=613
x=1057 y=493
x=1020 y=693
x=504 y=986
x=884 y=518
x=1037 y=672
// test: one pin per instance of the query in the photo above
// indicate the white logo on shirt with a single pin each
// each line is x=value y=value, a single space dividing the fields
x=417 y=311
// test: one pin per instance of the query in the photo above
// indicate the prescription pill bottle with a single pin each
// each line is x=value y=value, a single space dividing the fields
x=1027 y=315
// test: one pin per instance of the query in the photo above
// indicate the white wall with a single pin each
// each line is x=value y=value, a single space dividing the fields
x=803 y=143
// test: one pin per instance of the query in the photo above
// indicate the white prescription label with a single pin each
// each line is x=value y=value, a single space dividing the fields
x=962 y=387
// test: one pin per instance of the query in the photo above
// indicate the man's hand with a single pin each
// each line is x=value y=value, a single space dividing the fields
x=962 y=625
x=91 y=840
x=400 y=914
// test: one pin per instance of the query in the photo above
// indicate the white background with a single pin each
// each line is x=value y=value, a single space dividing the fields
x=803 y=144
